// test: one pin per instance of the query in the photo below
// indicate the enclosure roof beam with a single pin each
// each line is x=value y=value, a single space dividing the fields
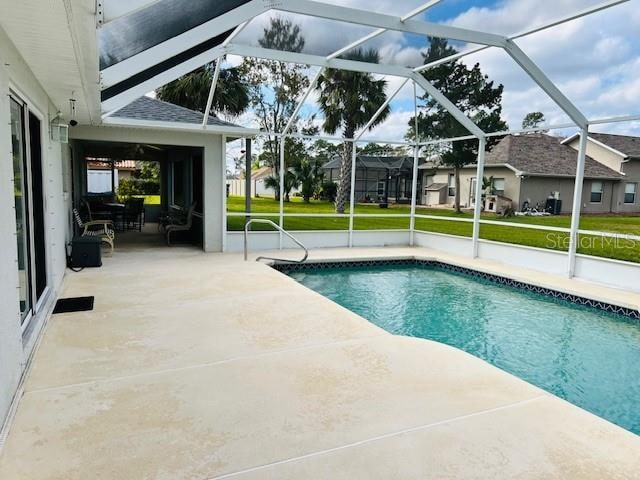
x=126 y=97
x=304 y=98
x=538 y=76
x=338 y=63
x=212 y=91
x=319 y=61
x=380 y=31
x=157 y=54
x=216 y=72
x=388 y=22
x=439 y=97
x=380 y=110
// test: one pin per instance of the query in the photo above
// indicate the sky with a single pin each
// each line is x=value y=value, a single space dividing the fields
x=595 y=61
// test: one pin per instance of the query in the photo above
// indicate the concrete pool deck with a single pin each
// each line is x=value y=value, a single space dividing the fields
x=202 y=366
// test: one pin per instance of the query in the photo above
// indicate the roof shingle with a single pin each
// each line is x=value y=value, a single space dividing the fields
x=625 y=144
x=544 y=155
x=152 y=109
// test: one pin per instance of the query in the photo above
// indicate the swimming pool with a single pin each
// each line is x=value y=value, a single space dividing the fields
x=585 y=355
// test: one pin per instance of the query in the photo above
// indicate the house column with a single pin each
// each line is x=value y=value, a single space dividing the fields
x=247 y=178
x=577 y=203
x=214 y=193
x=477 y=210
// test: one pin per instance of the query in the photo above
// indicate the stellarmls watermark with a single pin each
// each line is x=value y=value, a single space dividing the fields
x=561 y=241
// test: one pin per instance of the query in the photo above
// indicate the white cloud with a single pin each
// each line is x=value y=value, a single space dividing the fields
x=393 y=128
x=593 y=60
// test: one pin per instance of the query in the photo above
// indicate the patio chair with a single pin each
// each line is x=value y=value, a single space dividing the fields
x=102 y=229
x=183 y=225
x=171 y=216
x=95 y=208
x=134 y=213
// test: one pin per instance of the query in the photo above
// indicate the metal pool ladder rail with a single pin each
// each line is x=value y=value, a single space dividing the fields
x=280 y=229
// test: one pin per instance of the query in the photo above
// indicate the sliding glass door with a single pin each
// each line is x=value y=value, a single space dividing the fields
x=20 y=195
x=29 y=206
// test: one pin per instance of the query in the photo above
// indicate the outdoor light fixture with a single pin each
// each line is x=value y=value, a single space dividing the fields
x=72 y=111
x=58 y=130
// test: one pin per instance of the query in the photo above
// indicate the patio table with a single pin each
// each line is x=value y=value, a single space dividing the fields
x=117 y=214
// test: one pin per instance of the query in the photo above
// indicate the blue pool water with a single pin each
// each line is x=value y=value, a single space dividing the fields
x=586 y=356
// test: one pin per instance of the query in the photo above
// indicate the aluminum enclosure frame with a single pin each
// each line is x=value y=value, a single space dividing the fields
x=240 y=17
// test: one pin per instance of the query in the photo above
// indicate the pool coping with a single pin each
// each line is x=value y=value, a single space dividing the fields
x=554 y=293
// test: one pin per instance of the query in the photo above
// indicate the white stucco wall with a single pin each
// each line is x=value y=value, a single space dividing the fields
x=15 y=347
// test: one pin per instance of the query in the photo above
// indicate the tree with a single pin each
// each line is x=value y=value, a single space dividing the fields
x=295 y=151
x=192 y=91
x=533 y=120
x=348 y=100
x=472 y=92
x=310 y=176
x=274 y=106
x=375 y=149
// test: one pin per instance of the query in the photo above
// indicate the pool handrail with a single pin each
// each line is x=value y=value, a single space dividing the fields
x=281 y=230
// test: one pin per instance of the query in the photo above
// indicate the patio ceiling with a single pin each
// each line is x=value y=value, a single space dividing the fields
x=174 y=37
x=57 y=42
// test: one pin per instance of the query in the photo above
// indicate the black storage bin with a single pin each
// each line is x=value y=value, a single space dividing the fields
x=554 y=206
x=86 y=252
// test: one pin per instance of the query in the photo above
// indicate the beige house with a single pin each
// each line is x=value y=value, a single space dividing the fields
x=532 y=168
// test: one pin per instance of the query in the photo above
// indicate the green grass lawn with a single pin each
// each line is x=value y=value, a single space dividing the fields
x=590 y=245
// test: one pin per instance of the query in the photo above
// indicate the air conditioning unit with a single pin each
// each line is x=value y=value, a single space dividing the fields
x=60 y=133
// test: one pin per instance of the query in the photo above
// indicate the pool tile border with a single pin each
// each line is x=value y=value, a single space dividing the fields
x=287 y=268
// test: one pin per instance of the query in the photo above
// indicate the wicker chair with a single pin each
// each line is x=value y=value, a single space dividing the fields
x=102 y=229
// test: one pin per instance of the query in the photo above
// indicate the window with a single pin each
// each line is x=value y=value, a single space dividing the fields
x=498 y=186
x=102 y=178
x=381 y=187
x=596 y=192
x=177 y=169
x=451 y=191
x=630 y=192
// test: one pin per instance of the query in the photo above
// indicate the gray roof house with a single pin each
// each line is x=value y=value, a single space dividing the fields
x=379 y=178
x=531 y=168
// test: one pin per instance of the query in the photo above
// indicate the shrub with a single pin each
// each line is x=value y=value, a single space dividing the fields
x=329 y=191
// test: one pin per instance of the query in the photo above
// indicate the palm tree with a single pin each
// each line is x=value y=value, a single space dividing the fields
x=290 y=182
x=192 y=91
x=348 y=100
x=309 y=176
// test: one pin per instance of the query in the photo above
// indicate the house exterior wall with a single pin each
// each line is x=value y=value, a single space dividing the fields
x=213 y=166
x=631 y=169
x=16 y=346
x=537 y=190
x=512 y=184
x=600 y=154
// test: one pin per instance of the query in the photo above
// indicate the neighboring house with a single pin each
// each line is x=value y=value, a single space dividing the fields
x=529 y=168
x=237 y=187
x=104 y=176
x=378 y=178
x=622 y=154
